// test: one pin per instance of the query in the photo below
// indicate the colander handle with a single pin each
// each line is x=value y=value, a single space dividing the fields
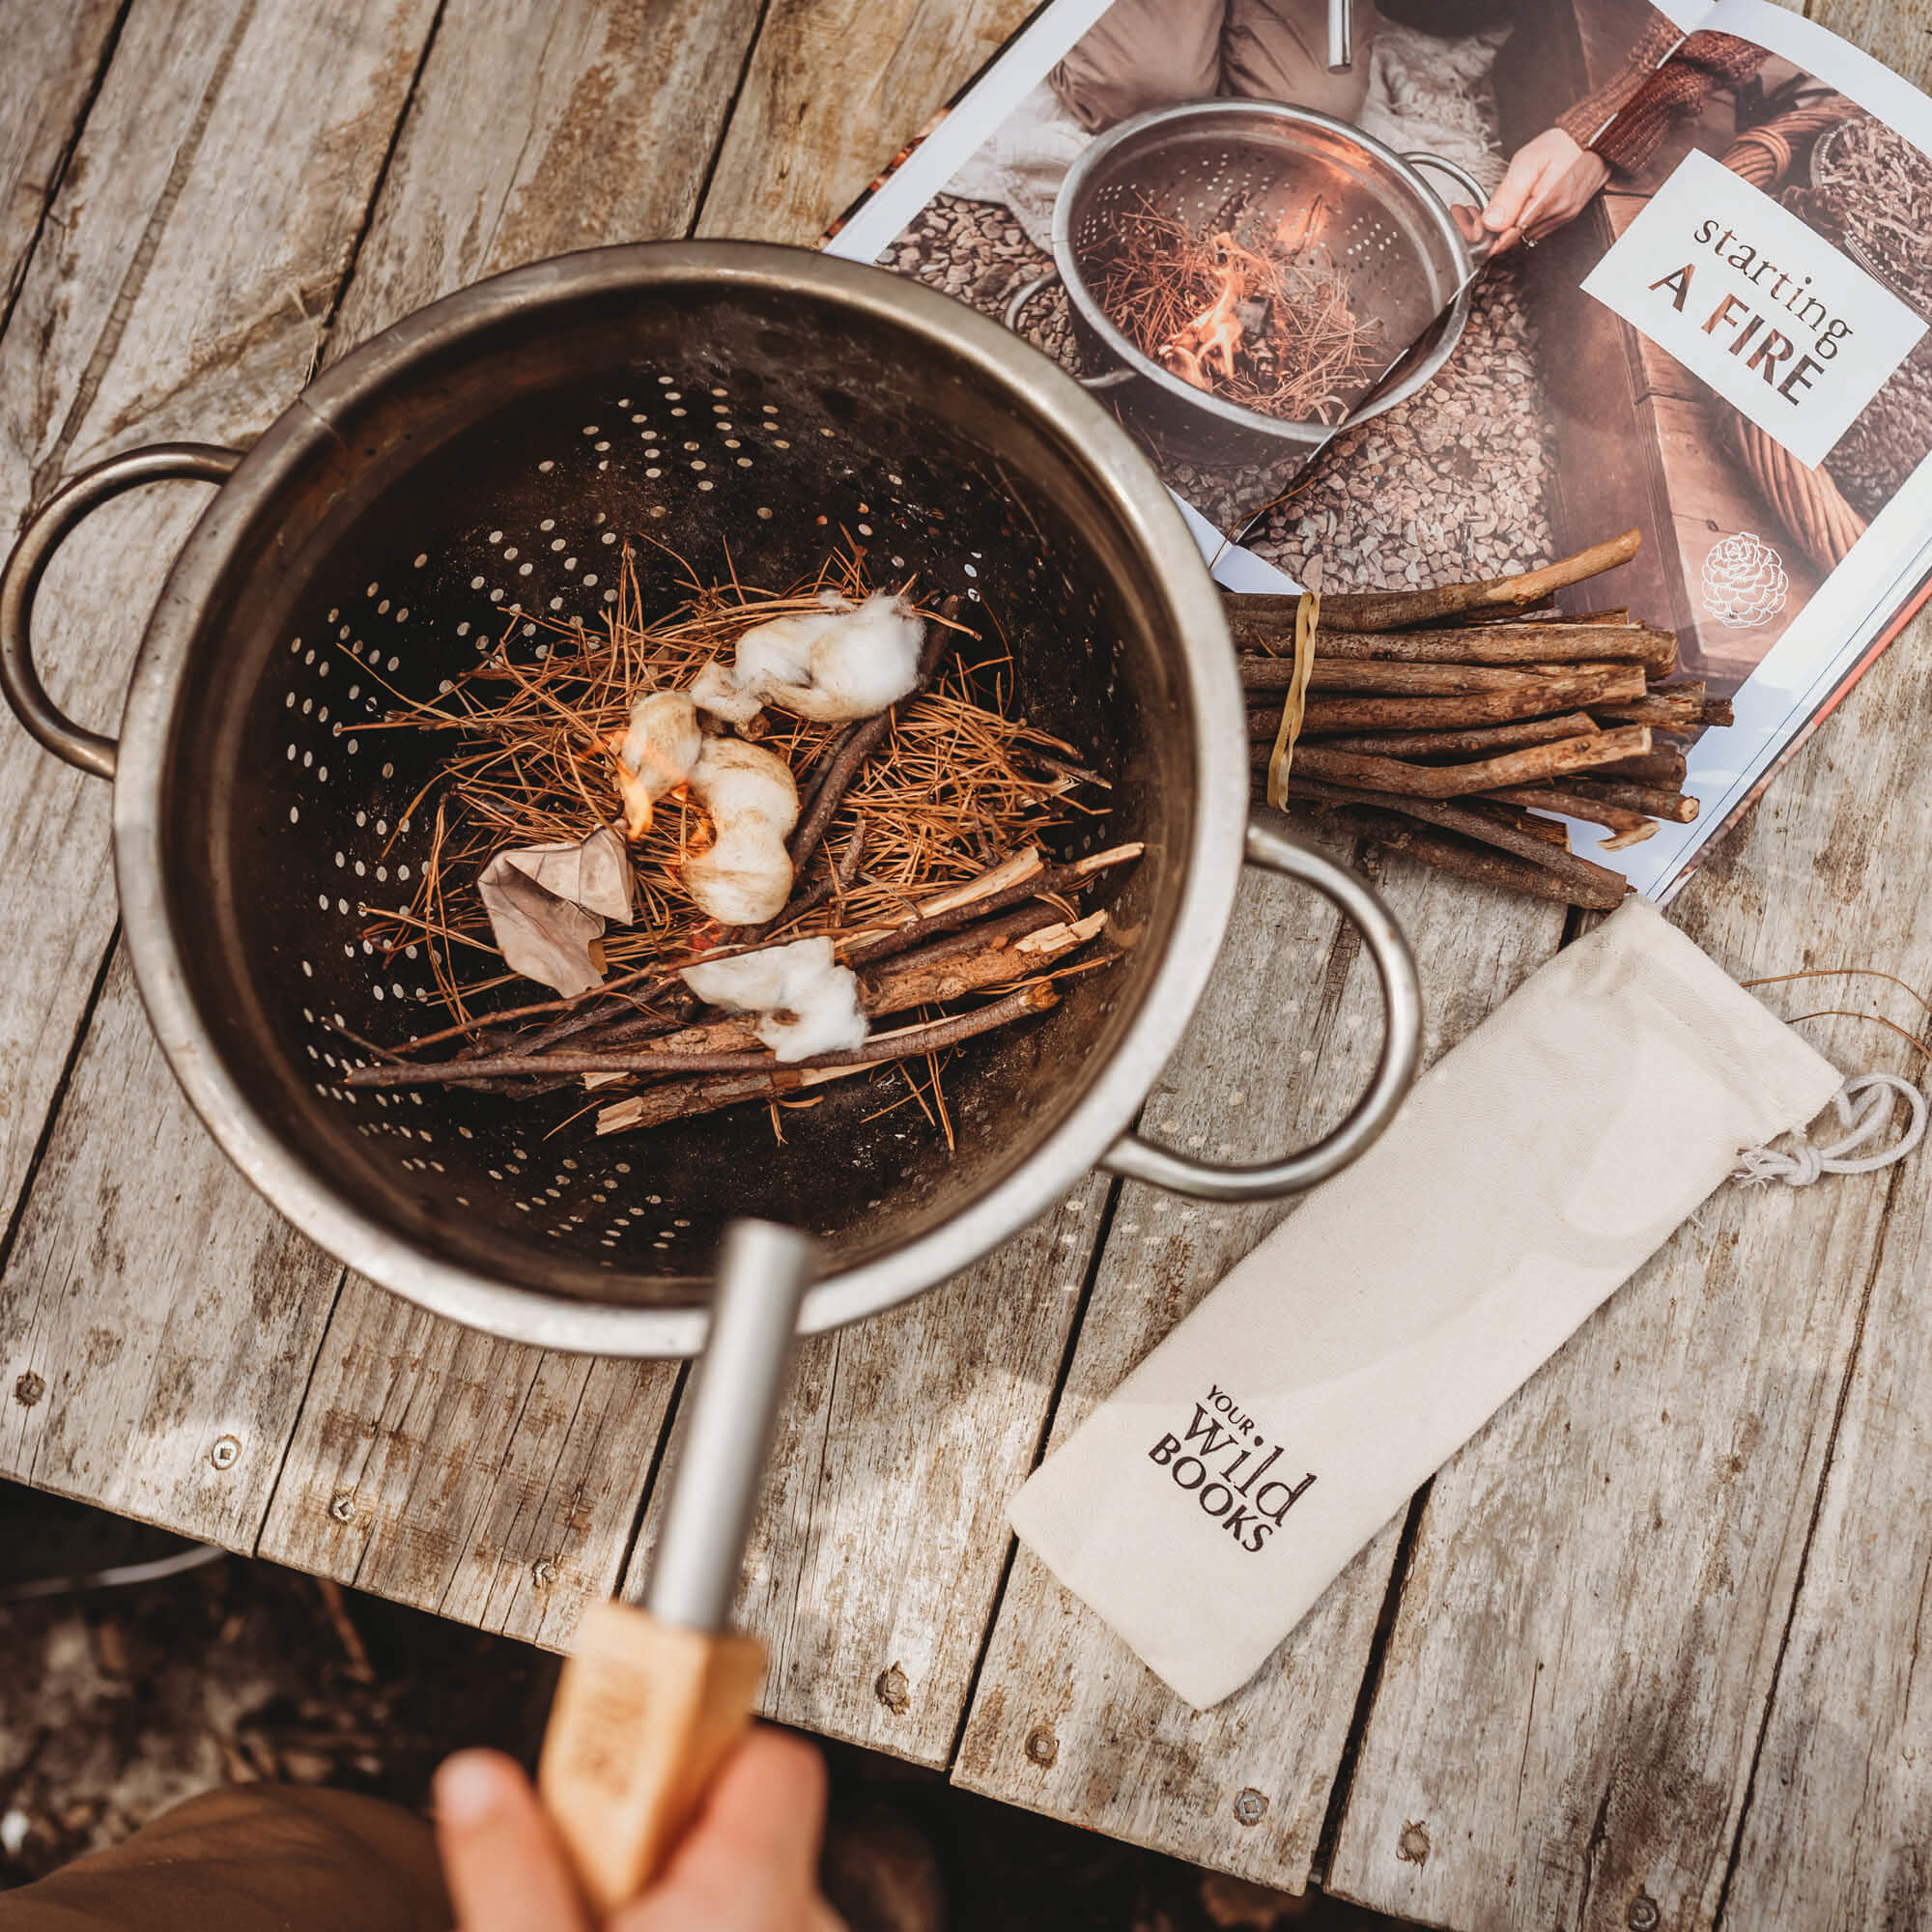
x=1016 y=308
x=1479 y=252
x=1341 y=36
x=91 y=751
x=1273 y=848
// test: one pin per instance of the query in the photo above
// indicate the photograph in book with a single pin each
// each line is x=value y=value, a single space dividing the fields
x=1761 y=384
x=1228 y=238
x=1737 y=359
x=1684 y=291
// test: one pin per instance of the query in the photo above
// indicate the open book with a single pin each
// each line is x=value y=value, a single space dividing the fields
x=1255 y=232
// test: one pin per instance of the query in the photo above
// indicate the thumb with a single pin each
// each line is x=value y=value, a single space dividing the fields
x=1519 y=183
x=750 y=1862
x=500 y=1858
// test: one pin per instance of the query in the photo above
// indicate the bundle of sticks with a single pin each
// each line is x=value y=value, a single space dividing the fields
x=1458 y=723
x=1004 y=937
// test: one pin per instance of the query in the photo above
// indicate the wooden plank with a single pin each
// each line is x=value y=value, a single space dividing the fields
x=53 y=55
x=211 y=212
x=1575 y=1685
x=835 y=89
x=1065 y=1720
x=1893 y=31
x=214 y=196
x=532 y=133
x=1840 y=1811
x=875 y=1558
x=157 y=1317
x=487 y=1482
x=1840 y=1808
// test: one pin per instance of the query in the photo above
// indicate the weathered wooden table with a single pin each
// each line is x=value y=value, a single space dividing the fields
x=1642 y=1655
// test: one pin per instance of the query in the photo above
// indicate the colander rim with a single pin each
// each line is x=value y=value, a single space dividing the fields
x=308 y=428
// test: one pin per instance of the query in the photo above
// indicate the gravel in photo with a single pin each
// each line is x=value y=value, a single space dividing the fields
x=1455 y=482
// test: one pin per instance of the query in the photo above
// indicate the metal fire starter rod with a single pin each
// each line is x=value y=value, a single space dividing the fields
x=651 y=1702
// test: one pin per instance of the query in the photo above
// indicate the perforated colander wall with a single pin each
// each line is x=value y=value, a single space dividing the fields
x=709 y=465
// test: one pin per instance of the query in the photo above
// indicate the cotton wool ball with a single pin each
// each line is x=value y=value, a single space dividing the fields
x=830 y=666
x=745 y=876
x=655 y=754
x=818 y=1000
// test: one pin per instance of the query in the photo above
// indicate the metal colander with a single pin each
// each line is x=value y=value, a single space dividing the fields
x=728 y=409
x=1249 y=166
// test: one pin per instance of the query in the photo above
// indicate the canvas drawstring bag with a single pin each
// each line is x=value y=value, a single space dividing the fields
x=1212 y=1498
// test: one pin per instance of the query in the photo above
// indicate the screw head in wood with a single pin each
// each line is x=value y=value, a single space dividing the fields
x=543 y=1573
x=892 y=1689
x=28 y=1389
x=1250 y=1806
x=342 y=1505
x=1643 y=1914
x=1041 y=1745
x=1412 y=1847
x=226 y=1452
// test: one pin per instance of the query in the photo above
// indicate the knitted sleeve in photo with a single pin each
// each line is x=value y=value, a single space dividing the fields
x=1661 y=84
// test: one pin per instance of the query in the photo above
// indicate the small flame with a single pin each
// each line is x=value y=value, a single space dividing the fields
x=1207 y=346
x=632 y=787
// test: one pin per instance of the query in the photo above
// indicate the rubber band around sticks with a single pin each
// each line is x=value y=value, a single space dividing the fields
x=1307 y=615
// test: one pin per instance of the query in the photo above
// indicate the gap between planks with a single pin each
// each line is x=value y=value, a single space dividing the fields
x=1617 y=1571
x=191 y=338
x=234 y=45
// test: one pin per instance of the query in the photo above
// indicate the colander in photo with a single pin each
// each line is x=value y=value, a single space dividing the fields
x=1207 y=166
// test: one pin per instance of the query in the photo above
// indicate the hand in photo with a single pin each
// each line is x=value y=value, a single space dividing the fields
x=1549 y=182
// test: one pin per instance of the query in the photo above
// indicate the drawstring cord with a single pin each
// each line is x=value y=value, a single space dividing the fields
x=1758 y=1167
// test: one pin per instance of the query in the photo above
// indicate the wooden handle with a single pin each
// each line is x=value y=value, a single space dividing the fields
x=644 y=1715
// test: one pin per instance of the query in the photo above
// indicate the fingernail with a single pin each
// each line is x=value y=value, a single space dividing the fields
x=468 y=1788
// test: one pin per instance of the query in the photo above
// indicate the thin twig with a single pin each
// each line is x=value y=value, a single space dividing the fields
x=1402 y=610
x=1842 y=972
x=1591 y=884
x=1509 y=768
x=1846 y=1013
x=858 y=744
x=906 y=1043
x=1040 y=885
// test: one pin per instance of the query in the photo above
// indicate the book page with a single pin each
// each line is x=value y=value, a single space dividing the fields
x=1230 y=222
x=1756 y=399
x=1753 y=305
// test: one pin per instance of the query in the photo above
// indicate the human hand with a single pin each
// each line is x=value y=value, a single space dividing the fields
x=747 y=1864
x=1549 y=181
